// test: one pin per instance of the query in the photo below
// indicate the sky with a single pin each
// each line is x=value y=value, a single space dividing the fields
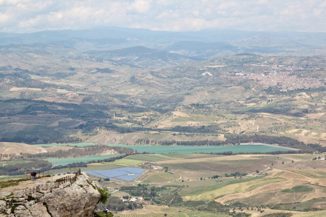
x=168 y=15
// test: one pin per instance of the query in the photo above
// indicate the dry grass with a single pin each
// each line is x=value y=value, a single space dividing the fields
x=159 y=211
x=20 y=148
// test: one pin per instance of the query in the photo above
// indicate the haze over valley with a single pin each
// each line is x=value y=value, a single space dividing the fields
x=117 y=85
x=219 y=111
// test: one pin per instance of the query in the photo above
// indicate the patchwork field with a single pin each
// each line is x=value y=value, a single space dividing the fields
x=259 y=184
x=179 y=180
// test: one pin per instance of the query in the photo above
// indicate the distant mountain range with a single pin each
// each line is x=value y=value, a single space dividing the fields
x=61 y=86
x=199 y=42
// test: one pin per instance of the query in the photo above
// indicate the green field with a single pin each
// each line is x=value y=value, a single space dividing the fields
x=149 y=157
x=124 y=162
x=298 y=189
x=198 y=188
x=160 y=178
x=181 y=149
x=82 y=159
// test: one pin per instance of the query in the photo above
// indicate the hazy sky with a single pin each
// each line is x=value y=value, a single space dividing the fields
x=176 y=15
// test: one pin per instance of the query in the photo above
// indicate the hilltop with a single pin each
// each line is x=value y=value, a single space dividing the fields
x=56 y=196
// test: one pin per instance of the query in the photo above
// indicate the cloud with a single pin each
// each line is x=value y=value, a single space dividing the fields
x=177 y=15
x=141 y=6
x=4 y=18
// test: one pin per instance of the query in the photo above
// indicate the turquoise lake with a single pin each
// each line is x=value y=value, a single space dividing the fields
x=181 y=149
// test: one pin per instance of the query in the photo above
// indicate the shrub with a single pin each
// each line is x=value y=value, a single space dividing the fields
x=104 y=194
x=103 y=214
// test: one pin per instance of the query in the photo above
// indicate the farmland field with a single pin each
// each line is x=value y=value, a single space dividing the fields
x=124 y=162
x=149 y=157
x=237 y=187
x=158 y=211
x=274 y=182
x=82 y=159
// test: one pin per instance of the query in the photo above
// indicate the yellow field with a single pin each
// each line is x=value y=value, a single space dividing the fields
x=240 y=187
x=294 y=214
x=118 y=163
x=311 y=214
x=159 y=211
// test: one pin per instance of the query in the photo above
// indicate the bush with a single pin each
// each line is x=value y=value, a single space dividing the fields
x=103 y=214
x=104 y=194
x=278 y=215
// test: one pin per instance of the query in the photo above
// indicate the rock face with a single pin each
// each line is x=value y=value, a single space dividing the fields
x=59 y=196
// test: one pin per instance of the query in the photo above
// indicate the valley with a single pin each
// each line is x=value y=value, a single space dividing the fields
x=113 y=94
x=206 y=185
x=154 y=180
x=208 y=123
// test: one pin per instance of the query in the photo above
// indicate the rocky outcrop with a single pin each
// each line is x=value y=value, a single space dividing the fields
x=58 y=196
